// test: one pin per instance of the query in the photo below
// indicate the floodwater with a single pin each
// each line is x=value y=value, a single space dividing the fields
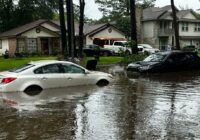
x=151 y=107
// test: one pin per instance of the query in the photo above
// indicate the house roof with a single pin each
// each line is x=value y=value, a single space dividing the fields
x=19 y=30
x=164 y=13
x=182 y=13
x=88 y=29
x=154 y=12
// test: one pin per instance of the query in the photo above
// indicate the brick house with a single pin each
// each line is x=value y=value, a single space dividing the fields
x=43 y=36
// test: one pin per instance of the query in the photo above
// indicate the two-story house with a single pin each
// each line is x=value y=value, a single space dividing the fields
x=157 y=28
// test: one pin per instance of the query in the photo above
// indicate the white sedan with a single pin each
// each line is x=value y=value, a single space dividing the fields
x=46 y=74
x=147 y=49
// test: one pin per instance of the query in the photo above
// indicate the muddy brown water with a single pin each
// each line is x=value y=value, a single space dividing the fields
x=150 y=107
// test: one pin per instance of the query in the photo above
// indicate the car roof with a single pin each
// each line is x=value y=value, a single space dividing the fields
x=178 y=52
x=44 y=62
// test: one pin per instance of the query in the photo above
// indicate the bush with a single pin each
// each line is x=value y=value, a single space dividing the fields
x=189 y=48
x=133 y=58
x=6 y=56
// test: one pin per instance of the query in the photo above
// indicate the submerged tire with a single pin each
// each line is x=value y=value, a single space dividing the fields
x=102 y=83
x=33 y=90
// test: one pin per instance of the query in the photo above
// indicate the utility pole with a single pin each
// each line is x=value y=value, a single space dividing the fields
x=63 y=29
x=70 y=27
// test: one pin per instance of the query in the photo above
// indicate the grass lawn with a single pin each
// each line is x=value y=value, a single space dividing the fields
x=109 y=60
x=103 y=60
x=6 y=64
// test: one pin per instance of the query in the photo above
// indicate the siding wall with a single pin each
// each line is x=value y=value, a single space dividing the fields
x=4 y=46
x=105 y=34
x=43 y=33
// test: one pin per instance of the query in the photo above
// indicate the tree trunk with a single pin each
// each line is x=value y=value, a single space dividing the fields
x=175 y=25
x=81 y=25
x=133 y=26
x=70 y=28
x=63 y=28
x=128 y=7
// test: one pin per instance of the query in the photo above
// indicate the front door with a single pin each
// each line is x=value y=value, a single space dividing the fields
x=45 y=46
x=163 y=43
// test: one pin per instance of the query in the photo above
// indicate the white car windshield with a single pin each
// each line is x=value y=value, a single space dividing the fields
x=22 y=68
x=155 y=57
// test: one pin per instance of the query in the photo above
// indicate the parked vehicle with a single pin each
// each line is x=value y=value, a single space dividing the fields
x=119 y=47
x=92 y=50
x=166 y=61
x=46 y=74
x=147 y=49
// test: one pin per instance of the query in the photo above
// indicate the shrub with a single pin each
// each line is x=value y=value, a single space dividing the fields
x=133 y=58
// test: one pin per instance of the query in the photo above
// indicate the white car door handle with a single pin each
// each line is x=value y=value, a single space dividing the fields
x=69 y=78
x=44 y=78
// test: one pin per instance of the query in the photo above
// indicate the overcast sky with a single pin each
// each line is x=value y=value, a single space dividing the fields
x=91 y=9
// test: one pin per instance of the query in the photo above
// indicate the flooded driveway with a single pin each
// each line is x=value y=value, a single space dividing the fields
x=159 y=106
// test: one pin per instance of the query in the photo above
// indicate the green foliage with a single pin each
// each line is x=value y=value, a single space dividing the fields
x=111 y=7
x=24 y=11
x=76 y=15
x=133 y=58
x=6 y=14
x=145 y=3
x=124 y=25
x=120 y=8
x=131 y=44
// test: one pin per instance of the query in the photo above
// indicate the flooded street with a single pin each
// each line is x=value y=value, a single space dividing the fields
x=160 y=106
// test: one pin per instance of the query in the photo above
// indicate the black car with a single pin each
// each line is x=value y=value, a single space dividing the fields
x=167 y=61
x=92 y=50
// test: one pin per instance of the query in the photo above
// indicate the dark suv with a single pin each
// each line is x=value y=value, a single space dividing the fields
x=167 y=61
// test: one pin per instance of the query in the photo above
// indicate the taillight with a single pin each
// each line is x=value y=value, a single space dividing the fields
x=8 y=80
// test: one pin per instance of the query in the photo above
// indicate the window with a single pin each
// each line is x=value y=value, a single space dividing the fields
x=197 y=27
x=0 y=44
x=72 y=69
x=53 y=68
x=119 y=44
x=21 y=45
x=185 y=27
x=21 y=68
x=32 y=45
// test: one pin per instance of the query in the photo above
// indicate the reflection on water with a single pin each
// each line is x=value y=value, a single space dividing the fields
x=159 y=106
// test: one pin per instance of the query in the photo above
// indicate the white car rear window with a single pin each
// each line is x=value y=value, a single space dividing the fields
x=21 y=68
